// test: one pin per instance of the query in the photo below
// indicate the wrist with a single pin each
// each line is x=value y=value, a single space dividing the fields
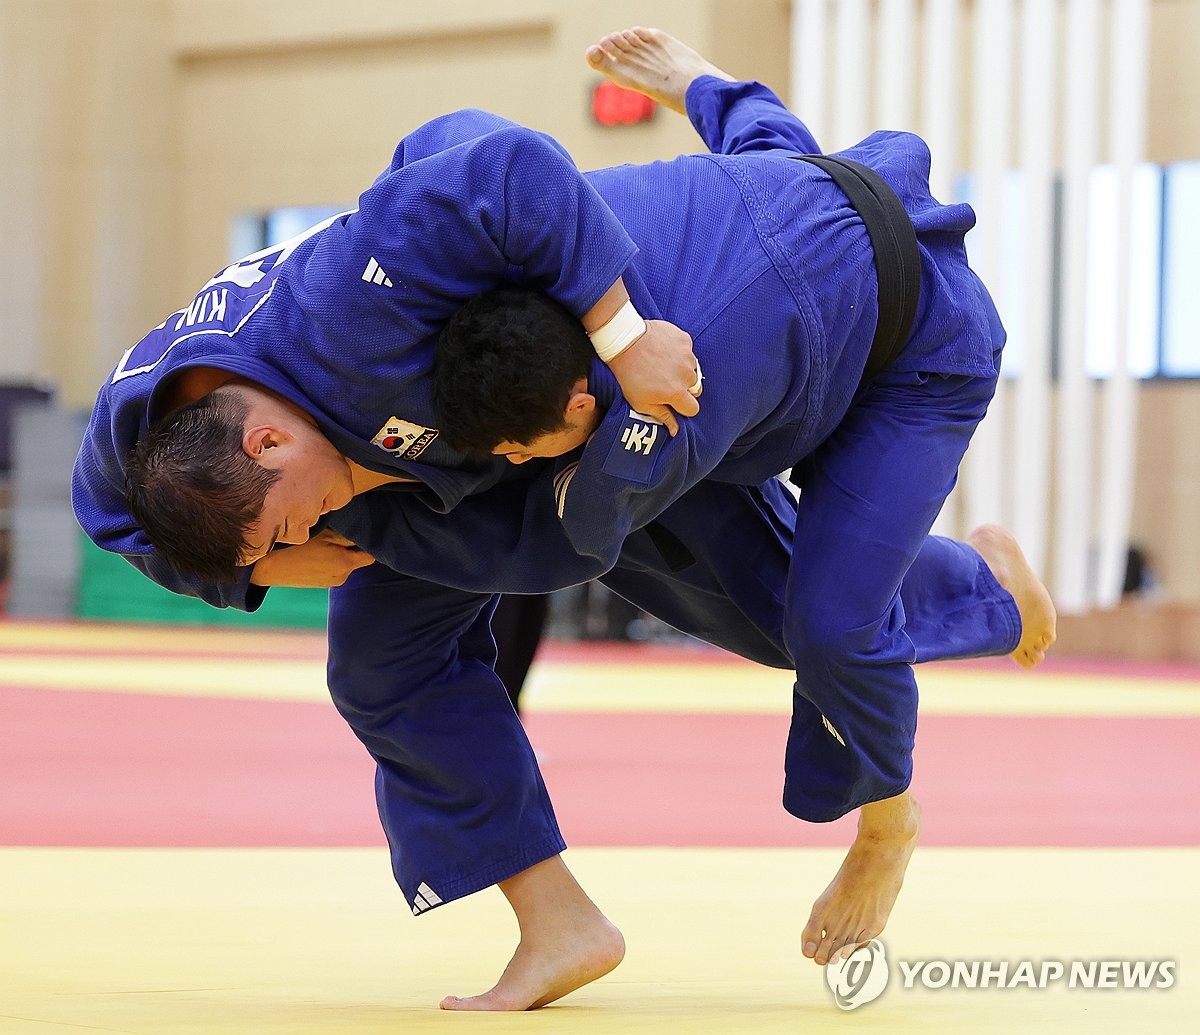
x=620 y=331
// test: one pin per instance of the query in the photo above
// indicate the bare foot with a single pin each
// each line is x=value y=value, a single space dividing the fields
x=1038 y=618
x=651 y=62
x=566 y=942
x=856 y=905
x=540 y=973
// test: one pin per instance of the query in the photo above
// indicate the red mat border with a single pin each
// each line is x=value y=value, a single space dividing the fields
x=94 y=768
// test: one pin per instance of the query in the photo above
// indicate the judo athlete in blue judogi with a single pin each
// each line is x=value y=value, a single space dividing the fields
x=341 y=320
x=321 y=349
x=826 y=347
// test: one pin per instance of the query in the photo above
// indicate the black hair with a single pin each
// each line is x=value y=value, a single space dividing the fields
x=504 y=369
x=193 y=489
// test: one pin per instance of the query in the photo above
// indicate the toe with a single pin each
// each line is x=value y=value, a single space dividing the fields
x=813 y=932
x=827 y=950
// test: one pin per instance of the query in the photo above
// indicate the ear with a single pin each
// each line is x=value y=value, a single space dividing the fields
x=579 y=406
x=259 y=440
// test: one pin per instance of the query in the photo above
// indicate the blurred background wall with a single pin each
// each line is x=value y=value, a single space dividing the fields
x=136 y=133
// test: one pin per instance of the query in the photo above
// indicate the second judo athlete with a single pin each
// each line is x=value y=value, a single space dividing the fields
x=841 y=334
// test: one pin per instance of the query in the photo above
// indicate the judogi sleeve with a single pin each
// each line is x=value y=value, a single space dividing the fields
x=736 y=118
x=240 y=594
x=631 y=469
x=472 y=199
x=507 y=539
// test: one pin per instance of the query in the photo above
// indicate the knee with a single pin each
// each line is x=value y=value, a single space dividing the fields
x=818 y=638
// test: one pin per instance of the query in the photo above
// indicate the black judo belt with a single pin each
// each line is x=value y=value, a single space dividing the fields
x=897 y=258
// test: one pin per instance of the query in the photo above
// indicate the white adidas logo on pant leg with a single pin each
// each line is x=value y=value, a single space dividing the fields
x=374 y=274
x=425 y=898
x=829 y=726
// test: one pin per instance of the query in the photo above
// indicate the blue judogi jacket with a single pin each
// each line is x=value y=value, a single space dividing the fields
x=773 y=277
x=342 y=319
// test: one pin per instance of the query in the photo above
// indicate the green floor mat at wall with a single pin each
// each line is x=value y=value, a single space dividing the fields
x=112 y=589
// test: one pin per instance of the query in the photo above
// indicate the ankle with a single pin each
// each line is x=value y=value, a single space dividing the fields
x=891 y=821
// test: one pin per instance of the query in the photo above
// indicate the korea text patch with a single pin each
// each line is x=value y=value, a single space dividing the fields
x=404 y=439
x=635 y=452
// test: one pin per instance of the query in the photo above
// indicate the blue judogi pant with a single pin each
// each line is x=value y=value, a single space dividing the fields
x=870 y=493
x=783 y=350
x=410 y=669
x=869 y=496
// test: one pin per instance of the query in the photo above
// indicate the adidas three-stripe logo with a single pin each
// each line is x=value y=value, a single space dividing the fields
x=562 y=482
x=425 y=898
x=374 y=274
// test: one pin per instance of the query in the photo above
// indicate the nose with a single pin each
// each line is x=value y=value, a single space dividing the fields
x=519 y=458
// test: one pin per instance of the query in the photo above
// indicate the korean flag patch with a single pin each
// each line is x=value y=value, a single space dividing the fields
x=404 y=439
x=633 y=455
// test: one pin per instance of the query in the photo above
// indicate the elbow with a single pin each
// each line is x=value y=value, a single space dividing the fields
x=515 y=143
x=603 y=555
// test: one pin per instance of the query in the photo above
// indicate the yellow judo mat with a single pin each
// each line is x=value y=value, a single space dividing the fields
x=318 y=940
x=248 y=940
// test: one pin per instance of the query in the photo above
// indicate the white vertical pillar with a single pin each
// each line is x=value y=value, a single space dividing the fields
x=1031 y=395
x=1127 y=124
x=30 y=128
x=851 y=73
x=986 y=464
x=809 y=44
x=895 y=64
x=1073 y=525
x=939 y=125
x=941 y=90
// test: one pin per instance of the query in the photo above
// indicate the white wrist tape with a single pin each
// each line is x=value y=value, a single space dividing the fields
x=623 y=328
